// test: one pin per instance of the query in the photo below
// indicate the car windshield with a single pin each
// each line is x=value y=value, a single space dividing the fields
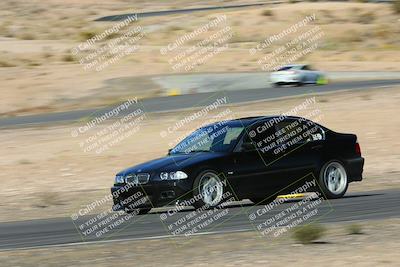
x=219 y=137
x=285 y=68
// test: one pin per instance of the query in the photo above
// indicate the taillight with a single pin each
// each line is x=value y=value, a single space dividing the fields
x=358 y=149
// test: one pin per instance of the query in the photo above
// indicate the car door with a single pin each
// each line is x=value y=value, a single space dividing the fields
x=306 y=73
x=254 y=174
x=299 y=151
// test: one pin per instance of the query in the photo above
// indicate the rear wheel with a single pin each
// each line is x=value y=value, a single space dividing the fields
x=301 y=82
x=333 y=179
x=208 y=190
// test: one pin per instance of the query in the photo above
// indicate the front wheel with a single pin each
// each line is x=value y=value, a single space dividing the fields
x=276 y=84
x=333 y=179
x=208 y=190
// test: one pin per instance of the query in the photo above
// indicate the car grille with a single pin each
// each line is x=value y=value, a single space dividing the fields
x=140 y=178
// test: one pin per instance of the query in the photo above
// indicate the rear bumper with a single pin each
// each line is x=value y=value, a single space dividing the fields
x=355 y=169
x=149 y=195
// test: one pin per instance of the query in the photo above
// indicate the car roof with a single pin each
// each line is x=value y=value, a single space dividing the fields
x=295 y=65
x=247 y=121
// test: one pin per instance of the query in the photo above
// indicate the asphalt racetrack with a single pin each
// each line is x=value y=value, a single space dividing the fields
x=165 y=104
x=65 y=232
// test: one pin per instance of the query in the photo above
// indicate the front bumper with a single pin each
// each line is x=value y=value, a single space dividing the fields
x=150 y=195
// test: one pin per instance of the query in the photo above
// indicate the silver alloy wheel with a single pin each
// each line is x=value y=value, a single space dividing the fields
x=211 y=189
x=335 y=178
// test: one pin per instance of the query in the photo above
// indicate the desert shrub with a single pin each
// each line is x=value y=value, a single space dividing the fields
x=27 y=36
x=307 y=234
x=351 y=36
x=365 y=18
x=382 y=31
x=47 y=54
x=354 y=229
x=85 y=35
x=396 y=6
x=47 y=199
x=6 y=64
x=31 y=63
x=68 y=58
x=24 y=161
x=267 y=13
x=175 y=28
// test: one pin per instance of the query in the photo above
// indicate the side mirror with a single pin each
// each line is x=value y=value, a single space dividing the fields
x=247 y=146
x=169 y=151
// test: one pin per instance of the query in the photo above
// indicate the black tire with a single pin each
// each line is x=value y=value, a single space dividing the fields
x=197 y=190
x=325 y=181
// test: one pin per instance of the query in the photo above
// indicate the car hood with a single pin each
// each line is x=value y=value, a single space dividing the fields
x=172 y=162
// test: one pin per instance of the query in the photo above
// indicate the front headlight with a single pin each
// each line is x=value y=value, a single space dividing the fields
x=164 y=175
x=179 y=175
x=119 y=179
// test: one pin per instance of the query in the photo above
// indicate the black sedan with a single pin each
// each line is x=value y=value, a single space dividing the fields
x=253 y=158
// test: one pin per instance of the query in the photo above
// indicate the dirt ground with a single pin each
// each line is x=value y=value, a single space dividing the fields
x=357 y=37
x=337 y=248
x=45 y=172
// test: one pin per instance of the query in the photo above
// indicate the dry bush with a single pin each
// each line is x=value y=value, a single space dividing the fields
x=68 y=58
x=354 y=229
x=382 y=32
x=267 y=13
x=6 y=64
x=27 y=36
x=85 y=35
x=350 y=36
x=307 y=234
x=46 y=199
x=366 y=18
x=396 y=6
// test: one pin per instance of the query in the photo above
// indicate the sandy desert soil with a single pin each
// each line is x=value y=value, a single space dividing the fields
x=336 y=248
x=46 y=173
x=40 y=74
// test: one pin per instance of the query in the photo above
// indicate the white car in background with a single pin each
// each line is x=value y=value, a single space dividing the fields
x=297 y=74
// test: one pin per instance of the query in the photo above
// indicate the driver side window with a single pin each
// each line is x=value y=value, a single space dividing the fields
x=258 y=137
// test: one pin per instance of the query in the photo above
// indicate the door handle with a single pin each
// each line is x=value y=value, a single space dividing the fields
x=316 y=147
